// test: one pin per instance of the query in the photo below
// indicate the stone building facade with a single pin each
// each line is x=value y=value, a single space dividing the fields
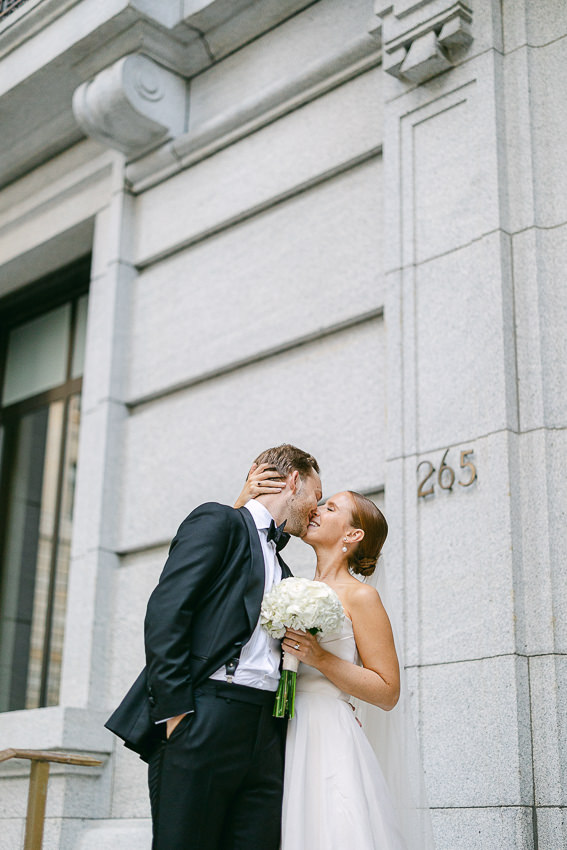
x=225 y=224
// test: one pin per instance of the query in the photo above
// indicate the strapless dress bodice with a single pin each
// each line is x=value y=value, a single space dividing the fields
x=341 y=644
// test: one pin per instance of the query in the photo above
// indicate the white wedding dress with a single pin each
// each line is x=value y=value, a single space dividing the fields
x=335 y=794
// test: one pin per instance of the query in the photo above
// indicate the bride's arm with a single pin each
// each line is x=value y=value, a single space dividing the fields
x=378 y=681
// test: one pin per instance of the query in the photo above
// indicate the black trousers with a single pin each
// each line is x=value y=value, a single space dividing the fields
x=216 y=783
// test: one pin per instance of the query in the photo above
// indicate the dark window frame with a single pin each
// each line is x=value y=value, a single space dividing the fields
x=52 y=291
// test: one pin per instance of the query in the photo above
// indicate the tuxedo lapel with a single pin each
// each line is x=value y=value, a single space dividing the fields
x=286 y=572
x=257 y=575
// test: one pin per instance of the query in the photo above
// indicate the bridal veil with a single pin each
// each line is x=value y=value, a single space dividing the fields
x=393 y=737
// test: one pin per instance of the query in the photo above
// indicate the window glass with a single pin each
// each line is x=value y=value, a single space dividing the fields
x=80 y=337
x=39 y=435
x=37 y=355
x=53 y=555
x=31 y=497
x=53 y=653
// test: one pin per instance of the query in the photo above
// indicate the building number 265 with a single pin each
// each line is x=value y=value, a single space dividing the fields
x=446 y=474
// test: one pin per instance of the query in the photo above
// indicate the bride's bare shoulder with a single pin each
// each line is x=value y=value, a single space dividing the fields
x=361 y=595
x=368 y=615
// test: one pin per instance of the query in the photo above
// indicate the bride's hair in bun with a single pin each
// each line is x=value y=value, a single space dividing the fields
x=365 y=515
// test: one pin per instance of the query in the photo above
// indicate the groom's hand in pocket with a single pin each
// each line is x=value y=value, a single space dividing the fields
x=172 y=722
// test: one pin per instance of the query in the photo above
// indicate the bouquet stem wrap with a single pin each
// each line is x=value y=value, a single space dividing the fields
x=303 y=605
x=284 y=705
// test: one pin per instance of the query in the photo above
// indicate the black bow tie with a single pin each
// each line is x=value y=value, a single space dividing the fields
x=278 y=535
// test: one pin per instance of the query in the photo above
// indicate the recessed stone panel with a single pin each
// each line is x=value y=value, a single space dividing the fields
x=476 y=733
x=335 y=128
x=548 y=82
x=197 y=445
x=311 y=262
x=460 y=602
x=462 y=320
x=449 y=189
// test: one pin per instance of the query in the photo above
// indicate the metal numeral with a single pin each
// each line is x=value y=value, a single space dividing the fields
x=446 y=474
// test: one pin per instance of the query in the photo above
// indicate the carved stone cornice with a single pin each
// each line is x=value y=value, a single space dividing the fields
x=133 y=105
x=60 y=41
x=420 y=38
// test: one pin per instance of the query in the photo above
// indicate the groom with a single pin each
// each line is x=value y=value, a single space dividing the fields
x=201 y=711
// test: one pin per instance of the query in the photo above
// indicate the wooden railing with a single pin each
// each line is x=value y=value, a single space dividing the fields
x=37 y=794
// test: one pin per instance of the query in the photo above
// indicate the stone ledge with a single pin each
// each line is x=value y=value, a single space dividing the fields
x=56 y=728
x=209 y=30
x=109 y=834
x=484 y=827
x=64 y=40
x=29 y=19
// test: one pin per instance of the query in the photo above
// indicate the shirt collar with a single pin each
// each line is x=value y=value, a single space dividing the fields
x=260 y=514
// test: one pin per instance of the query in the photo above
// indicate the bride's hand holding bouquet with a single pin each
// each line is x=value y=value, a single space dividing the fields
x=303 y=646
x=298 y=609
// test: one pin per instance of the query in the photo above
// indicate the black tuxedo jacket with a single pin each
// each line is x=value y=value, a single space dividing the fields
x=204 y=608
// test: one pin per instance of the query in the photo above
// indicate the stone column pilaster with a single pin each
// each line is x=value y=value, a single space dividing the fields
x=456 y=412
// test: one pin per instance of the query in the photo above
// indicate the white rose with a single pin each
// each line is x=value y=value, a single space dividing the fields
x=301 y=604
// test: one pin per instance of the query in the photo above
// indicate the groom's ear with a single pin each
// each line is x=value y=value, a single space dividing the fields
x=294 y=481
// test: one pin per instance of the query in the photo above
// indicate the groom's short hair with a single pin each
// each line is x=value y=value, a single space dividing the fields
x=287 y=458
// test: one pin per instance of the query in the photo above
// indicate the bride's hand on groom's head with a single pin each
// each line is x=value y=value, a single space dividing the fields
x=304 y=646
x=263 y=480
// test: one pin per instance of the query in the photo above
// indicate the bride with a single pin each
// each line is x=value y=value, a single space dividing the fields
x=335 y=792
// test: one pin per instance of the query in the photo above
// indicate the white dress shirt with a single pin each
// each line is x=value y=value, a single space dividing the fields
x=259 y=665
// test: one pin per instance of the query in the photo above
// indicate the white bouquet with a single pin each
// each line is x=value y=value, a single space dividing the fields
x=304 y=605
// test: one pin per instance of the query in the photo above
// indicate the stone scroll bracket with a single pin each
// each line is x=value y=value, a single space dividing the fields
x=132 y=105
x=421 y=39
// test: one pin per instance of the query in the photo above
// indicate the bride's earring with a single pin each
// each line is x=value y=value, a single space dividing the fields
x=344 y=547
